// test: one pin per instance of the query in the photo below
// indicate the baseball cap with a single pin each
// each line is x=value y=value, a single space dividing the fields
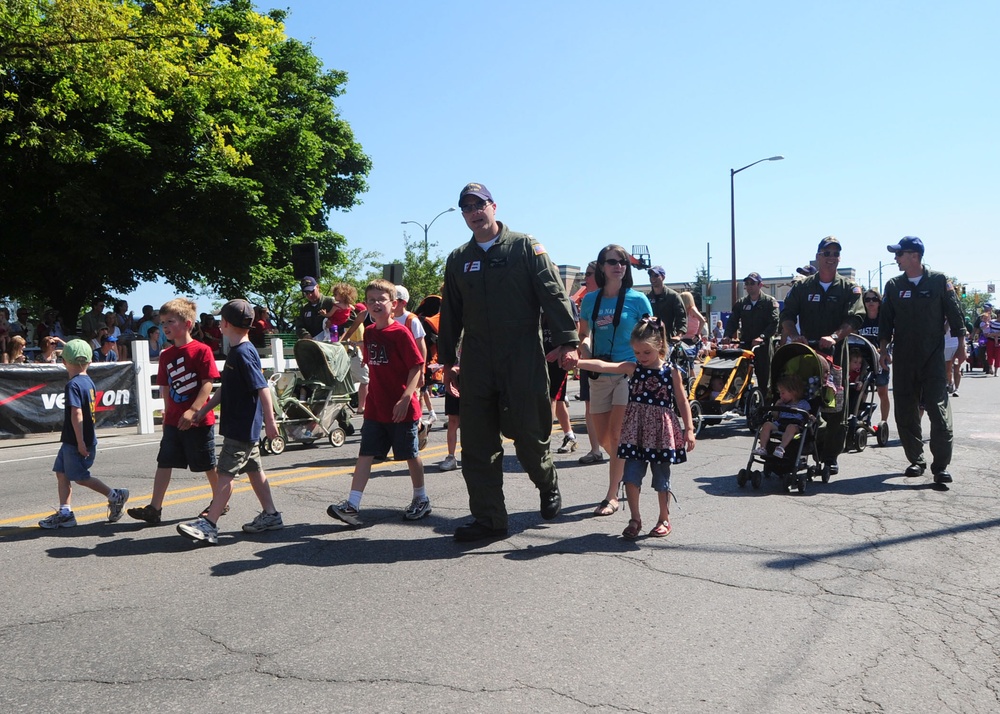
x=402 y=294
x=988 y=306
x=827 y=242
x=111 y=338
x=806 y=270
x=308 y=284
x=477 y=190
x=77 y=352
x=658 y=269
x=753 y=278
x=907 y=243
x=238 y=313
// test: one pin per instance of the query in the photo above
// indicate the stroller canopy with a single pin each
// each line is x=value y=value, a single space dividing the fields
x=323 y=362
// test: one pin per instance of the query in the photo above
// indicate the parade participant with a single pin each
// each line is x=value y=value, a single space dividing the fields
x=914 y=309
x=495 y=286
x=753 y=323
x=608 y=316
x=666 y=304
x=869 y=330
x=827 y=308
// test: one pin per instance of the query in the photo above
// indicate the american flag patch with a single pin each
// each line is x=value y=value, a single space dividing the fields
x=538 y=248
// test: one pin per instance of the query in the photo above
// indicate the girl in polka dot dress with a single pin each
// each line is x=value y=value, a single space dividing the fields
x=651 y=433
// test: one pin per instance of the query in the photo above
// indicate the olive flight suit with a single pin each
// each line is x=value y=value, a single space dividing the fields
x=669 y=308
x=820 y=313
x=912 y=317
x=492 y=301
x=753 y=320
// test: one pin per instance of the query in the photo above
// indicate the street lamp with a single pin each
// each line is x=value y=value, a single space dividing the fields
x=427 y=226
x=732 y=213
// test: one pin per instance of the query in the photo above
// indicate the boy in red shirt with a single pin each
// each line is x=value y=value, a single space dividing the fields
x=392 y=409
x=186 y=372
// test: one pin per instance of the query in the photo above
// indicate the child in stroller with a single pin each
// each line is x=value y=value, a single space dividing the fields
x=863 y=368
x=789 y=413
x=797 y=391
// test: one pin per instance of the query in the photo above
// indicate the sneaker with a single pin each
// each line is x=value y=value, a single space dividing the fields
x=264 y=522
x=760 y=451
x=199 y=529
x=955 y=393
x=431 y=419
x=591 y=457
x=422 y=432
x=779 y=452
x=146 y=513
x=418 y=508
x=59 y=520
x=568 y=445
x=450 y=463
x=344 y=512
x=116 y=503
x=204 y=511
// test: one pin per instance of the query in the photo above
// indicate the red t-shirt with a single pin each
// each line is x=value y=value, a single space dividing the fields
x=182 y=372
x=390 y=354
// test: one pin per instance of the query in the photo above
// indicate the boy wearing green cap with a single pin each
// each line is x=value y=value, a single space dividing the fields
x=79 y=441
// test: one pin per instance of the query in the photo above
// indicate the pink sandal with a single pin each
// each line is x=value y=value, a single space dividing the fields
x=661 y=529
x=633 y=529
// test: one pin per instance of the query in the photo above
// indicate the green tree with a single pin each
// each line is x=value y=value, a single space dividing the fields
x=422 y=274
x=220 y=150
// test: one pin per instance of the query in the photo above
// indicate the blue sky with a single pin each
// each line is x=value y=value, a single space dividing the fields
x=599 y=122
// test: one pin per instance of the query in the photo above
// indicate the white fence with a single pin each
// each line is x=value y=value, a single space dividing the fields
x=147 y=392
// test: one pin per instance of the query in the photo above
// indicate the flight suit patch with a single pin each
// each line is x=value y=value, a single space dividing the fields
x=538 y=248
x=473 y=266
x=905 y=294
x=498 y=262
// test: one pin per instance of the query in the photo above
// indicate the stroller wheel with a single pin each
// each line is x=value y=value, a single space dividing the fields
x=802 y=481
x=861 y=438
x=882 y=438
x=276 y=445
x=696 y=417
x=337 y=437
x=741 y=478
x=756 y=478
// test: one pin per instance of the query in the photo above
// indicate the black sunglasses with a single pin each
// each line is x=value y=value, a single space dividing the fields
x=614 y=261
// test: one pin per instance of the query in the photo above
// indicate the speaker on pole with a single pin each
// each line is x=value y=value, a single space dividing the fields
x=393 y=272
x=305 y=260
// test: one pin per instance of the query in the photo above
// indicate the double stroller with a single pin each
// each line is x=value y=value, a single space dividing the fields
x=313 y=402
x=794 y=467
x=725 y=387
x=862 y=397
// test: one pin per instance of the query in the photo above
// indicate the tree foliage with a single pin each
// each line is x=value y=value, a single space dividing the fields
x=186 y=140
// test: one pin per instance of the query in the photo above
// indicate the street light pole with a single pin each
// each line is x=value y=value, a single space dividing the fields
x=427 y=226
x=732 y=214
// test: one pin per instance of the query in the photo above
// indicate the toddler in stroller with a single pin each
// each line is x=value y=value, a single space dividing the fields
x=787 y=438
x=863 y=369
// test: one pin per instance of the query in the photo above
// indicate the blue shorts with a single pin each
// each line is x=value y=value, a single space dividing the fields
x=239 y=457
x=192 y=448
x=882 y=379
x=72 y=465
x=377 y=438
x=635 y=471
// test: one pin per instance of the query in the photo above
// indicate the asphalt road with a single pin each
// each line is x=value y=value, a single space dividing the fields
x=873 y=593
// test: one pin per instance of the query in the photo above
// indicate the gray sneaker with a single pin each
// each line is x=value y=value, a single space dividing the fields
x=450 y=463
x=344 y=512
x=116 y=502
x=264 y=522
x=59 y=520
x=199 y=529
x=418 y=508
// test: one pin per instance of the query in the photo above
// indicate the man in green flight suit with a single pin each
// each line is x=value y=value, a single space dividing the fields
x=755 y=316
x=494 y=289
x=828 y=308
x=914 y=308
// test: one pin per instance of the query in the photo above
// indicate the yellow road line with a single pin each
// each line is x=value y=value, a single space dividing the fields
x=276 y=478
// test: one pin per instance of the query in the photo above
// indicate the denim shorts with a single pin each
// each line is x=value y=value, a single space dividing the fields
x=635 y=471
x=882 y=379
x=239 y=457
x=378 y=437
x=192 y=448
x=72 y=465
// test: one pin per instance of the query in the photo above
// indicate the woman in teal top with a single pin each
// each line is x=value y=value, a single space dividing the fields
x=604 y=334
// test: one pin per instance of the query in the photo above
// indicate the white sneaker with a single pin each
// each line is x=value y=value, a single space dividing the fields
x=568 y=444
x=418 y=508
x=199 y=529
x=58 y=520
x=116 y=502
x=450 y=463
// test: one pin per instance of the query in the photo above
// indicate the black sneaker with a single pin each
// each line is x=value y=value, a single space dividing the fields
x=146 y=513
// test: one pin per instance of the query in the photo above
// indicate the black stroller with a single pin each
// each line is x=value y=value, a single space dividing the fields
x=862 y=396
x=794 y=466
x=314 y=402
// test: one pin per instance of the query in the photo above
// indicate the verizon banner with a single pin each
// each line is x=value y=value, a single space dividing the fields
x=31 y=397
